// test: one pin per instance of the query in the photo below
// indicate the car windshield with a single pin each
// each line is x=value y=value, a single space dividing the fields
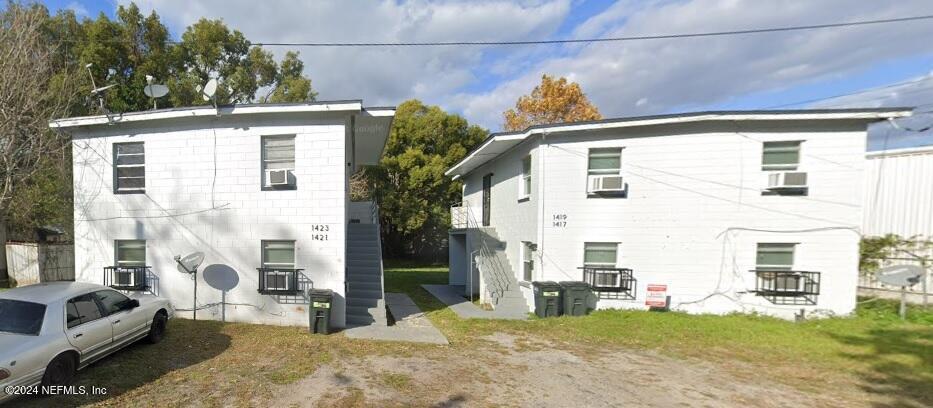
x=21 y=317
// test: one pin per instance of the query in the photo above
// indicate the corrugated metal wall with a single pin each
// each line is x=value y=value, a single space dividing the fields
x=899 y=193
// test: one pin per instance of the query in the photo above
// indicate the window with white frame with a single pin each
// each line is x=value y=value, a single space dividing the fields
x=602 y=255
x=605 y=161
x=780 y=156
x=524 y=189
x=777 y=257
x=128 y=253
x=129 y=167
x=278 y=260
x=528 y=262
x=278 y=162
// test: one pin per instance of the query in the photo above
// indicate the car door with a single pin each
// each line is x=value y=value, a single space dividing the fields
x=89 y=330
x=128 y=321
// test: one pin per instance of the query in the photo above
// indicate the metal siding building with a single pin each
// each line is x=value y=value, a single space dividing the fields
x=899 y=193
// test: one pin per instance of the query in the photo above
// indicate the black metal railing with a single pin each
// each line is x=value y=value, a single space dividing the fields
x=611 y=283
x=127 y=277
x=787 y=287
x=278 y=281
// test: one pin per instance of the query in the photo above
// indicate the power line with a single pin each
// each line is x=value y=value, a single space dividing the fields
x=578 y=41
x=863 y=91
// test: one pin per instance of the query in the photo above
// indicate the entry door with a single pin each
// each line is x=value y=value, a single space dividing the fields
x=487 y=198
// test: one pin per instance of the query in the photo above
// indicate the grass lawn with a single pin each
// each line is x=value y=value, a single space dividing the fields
x=874 y=349
x=872 y=356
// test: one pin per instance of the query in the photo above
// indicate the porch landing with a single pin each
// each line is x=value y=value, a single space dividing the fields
x=411 y=324
x=451 y=295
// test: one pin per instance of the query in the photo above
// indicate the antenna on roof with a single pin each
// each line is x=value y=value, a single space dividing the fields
x=209 y=91
x=154 y=91
x=99 y=92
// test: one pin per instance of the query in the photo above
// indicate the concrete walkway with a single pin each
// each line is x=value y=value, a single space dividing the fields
x=410 y=324
x=452 y=296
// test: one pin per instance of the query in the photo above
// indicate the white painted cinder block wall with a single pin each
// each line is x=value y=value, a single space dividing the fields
x=692 y=214
x=203 y=194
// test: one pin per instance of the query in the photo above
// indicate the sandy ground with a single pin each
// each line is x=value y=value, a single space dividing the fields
x=513 y=371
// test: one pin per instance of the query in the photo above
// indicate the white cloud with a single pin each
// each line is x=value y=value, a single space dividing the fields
x=378 y=75
x=623 y=79
x=78 y=9
x=690 y=73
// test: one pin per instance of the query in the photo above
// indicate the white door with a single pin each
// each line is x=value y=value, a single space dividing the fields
x=88 y=329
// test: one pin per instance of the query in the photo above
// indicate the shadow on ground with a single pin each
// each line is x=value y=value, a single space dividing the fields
x=900 y=364
x=409 y=281
x=186 y=343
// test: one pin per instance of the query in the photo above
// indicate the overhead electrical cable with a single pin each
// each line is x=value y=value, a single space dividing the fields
x=580 y=40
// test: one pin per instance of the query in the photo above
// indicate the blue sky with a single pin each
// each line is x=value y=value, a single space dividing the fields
x=623 y=79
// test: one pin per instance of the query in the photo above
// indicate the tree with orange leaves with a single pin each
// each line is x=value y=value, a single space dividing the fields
x=554 y=101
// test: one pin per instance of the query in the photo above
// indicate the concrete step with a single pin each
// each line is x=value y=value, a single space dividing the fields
x=362 y=244
x=362 y=301
x=369 y=250
x=354 y=285
x=361 y=226
x=352 y=257
x=357 y=320
x=365 y=310
x=364 y=263
x=363 y=271
x=365 y=293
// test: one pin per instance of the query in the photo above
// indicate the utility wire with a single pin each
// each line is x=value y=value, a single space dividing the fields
x=859 y=92
x=580 y=40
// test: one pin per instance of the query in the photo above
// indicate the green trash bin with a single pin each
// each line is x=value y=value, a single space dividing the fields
x=547 y=298
x=319 y=310
x=577 y=298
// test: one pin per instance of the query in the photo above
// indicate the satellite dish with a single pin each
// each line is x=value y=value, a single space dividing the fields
x=189 y=263
x=221 y=277
x=210 y=88
x=155 y=90
x=900 y=275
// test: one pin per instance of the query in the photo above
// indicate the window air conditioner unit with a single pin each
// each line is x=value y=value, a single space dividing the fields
x=603 y=184
x=278 y=177
x=787 y=179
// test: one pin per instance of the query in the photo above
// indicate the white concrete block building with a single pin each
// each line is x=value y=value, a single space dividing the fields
x=752 y=211
x=261 y=190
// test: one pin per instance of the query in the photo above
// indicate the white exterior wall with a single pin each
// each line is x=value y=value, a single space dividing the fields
x=694 y=196
x=515 y=220
x=205 y=198
x=899 y=193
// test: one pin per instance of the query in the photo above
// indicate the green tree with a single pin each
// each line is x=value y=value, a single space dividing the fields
x=291 y=83
x=413 y=192
x=208 y=49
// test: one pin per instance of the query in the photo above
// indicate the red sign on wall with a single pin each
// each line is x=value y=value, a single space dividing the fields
x=656 y=296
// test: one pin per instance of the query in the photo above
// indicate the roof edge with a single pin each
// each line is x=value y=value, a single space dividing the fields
x=868 y=114
x=354 y=105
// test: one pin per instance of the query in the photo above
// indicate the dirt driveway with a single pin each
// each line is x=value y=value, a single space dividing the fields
x=515 y=371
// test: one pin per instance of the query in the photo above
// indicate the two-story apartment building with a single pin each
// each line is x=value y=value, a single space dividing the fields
x=261 y=190
x=749 y=211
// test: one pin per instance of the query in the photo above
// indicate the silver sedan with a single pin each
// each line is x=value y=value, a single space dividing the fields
x=49 y=331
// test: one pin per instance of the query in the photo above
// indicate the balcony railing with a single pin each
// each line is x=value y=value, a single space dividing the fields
x=460 y=217
x=610 y=283
x=278 y=281
x=127 y=277
x=787 y=287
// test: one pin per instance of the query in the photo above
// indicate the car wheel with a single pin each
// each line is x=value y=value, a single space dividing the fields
x=157 y=330
x=61 y=371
